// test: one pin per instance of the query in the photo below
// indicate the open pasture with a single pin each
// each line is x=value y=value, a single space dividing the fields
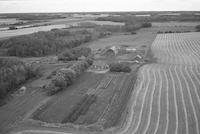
x=142 y=38
x=166 y=99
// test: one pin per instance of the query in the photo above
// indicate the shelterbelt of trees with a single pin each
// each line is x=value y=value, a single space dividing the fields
x=46 y=43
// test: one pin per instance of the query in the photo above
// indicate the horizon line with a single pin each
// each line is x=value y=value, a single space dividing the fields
x=103 y=11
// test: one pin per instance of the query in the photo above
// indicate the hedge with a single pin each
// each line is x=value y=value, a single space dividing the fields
x=119 y=67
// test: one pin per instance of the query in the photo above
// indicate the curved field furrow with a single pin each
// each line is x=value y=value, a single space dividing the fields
x=194 y=98
x=140 y=102
x=172 y=127
x=182 y=114
x=153 y=120
x=147 y=107
x=139 y=86
x=164 y=106
x=189 y=103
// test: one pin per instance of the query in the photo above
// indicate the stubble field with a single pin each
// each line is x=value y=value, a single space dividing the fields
x=167 y=96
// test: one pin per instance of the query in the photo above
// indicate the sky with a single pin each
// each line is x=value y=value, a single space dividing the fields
x=21 y=6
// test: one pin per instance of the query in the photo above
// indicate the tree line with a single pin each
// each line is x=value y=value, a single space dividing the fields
x=14 y=72
x=45 y=43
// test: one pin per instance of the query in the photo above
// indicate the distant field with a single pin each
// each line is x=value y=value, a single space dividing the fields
x=175 y=24
x=142 y=38
x=106 y=23
x=9 y=21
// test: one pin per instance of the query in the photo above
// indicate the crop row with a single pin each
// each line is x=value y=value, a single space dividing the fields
x=112 y=113
x=80 y=109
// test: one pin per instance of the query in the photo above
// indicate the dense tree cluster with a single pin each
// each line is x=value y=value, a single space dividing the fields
x=146 y=24
x=44 y=43
x=198 y=28
x=14 y=72
x=131 y=22
x=66 y=76
x=74 y=53
x=103 y=29
x=12 y=28
x=119 y=67
x=128 y=27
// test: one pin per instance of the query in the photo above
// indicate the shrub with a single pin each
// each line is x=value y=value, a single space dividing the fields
x=74 y=53
x=146 y=24
x=81 y=51
x=67 y=55
x=119 y=67
x=89 y=61
x=66 y=76
x=128 y=27
x=198 y=28
x=12 y=28
x=133 y=32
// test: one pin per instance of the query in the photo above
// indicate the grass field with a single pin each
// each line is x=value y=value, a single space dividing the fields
x=142 y=38
x=167 y=96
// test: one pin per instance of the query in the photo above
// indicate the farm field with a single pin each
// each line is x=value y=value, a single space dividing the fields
x=9 y=21
x=106 y=23
x=175 y=24
x=62 y=105
x=143 y=37
x=128 y=82
x=110 y=90
x=166 y=99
